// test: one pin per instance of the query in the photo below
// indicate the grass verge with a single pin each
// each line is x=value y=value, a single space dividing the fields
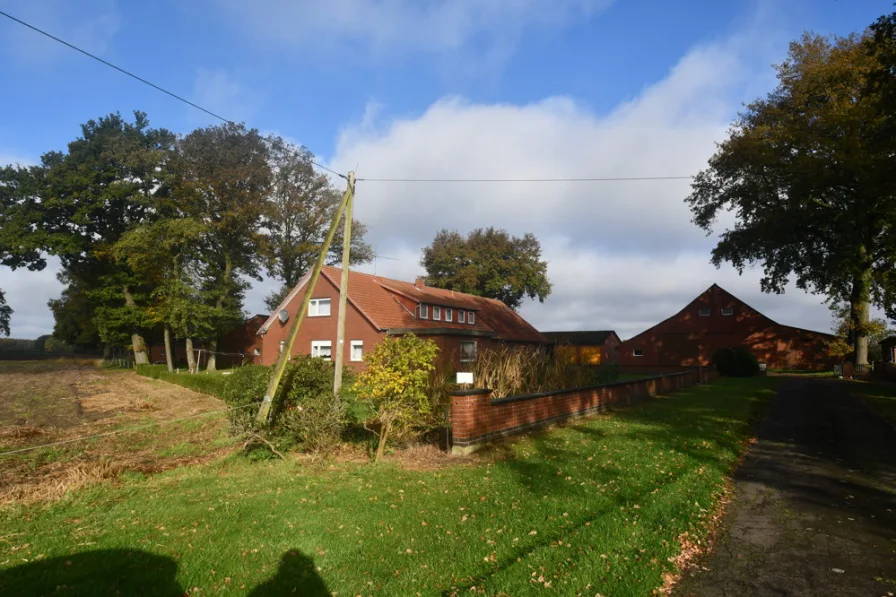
x=879 y=396
x=596 y=507
x=205 y=382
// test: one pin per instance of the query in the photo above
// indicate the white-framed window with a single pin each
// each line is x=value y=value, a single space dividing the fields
x=424 y=311
x=319 y=307
x=322 y=349
x=467 y=352
x=461 y=317
x=727 y=311
x=449 y=314
x=471 y=318
x=282 y=345
x=638 y=352
x=436 y=313
x=705 y=311
x=256 y=352
x=357 y=353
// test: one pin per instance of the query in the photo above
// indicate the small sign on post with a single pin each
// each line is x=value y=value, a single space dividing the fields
x=465 y=378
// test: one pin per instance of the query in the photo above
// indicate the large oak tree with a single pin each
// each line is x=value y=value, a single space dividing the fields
x=808 y=175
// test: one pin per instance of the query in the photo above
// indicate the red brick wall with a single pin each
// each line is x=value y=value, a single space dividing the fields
x=689 y=339
x=357 y=327
x=477 y=419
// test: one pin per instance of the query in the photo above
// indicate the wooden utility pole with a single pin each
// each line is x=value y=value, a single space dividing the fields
x=268 y=401
x=343 y=290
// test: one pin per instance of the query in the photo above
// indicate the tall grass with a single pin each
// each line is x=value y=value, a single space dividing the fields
x=510 y=370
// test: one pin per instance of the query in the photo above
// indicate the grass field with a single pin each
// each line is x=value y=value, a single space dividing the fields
x=879 y=396
x=598 y=507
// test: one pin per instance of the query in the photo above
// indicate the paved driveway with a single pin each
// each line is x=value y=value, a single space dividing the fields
x=814 y=511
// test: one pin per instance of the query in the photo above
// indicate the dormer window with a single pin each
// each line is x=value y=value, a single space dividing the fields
x=727 y=311
x=436 y=313
x=471 y=318
x=449 y=314
x=705 y=311
x=461 y=317
x=424 y=311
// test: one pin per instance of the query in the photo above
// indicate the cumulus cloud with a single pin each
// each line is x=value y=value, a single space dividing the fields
x=396 y=26
x=27 y=293
x=622 y=255
x=89 y=24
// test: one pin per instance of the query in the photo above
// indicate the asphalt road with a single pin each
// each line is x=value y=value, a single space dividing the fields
x=814 y=508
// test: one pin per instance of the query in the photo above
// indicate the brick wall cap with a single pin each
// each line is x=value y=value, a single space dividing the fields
x=523 y=397
x=474 y=392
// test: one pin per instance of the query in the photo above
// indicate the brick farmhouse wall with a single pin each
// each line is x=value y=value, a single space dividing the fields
x=477 y=419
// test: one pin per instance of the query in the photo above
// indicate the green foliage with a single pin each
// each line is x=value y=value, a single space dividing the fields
x=245 y=386
x=298 y=213
x=808 y=173
x=490 y=263
x=511 y=370
x=73 y=316
x=395 y=383
x=735 y=361
x=5 y=314
x=876 y=329
x=56 y=346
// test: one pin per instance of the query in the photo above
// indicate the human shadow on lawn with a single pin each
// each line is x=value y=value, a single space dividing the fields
x=135 y=572
x=100 y=572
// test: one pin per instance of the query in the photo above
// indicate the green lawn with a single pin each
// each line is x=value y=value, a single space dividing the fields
x=879 y=396
x=594 y=507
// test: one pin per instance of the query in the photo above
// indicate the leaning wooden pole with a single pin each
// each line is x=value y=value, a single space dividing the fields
x=343 y=292
x=267 y=402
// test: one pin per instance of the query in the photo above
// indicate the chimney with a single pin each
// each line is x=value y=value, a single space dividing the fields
x=420 y=282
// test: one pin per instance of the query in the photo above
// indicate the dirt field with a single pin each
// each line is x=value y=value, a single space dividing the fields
x=46 y=402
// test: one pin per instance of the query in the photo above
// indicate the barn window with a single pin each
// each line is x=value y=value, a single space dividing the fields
x=449 y=314
x=319 y=307
x=424 y=311
x=727 y=311
x=471 y=318
x=467 y=352
x=322 y=349
x=437 y=314
x=705 y=311
x=638 y=352
x=461 y=317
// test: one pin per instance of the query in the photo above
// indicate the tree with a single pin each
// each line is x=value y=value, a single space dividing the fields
x=395 y=383
x=812 y=197
x=489 y=263
x=74 y=315
x=300 y=207
x=221 y=177
x=842 y=326
x=5 y=314
x=77 y=205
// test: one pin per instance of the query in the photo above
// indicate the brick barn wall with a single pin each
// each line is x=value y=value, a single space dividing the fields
x=477 y=419
x=357 y=327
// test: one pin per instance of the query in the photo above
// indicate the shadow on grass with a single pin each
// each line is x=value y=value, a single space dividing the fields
x=101 y=572
x=135 y=572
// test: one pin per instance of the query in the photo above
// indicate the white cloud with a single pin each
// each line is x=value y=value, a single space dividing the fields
x=88 y=24
x=623 y=255
x=219 y=91
x=27 y=293
x=380 y=27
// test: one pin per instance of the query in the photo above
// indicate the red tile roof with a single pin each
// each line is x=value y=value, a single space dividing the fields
x=378 y=300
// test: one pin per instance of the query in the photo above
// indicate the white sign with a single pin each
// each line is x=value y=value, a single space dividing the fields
x=465 y=377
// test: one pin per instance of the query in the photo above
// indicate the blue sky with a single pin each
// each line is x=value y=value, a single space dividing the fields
x=449 y=88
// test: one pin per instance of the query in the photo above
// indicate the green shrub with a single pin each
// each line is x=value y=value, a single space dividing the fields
x=204 y=383
x=243 y=391
x=735 y=361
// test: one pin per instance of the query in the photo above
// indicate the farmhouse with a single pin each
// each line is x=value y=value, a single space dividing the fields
x=460 y=324
x=586 y=348
x=717 y=319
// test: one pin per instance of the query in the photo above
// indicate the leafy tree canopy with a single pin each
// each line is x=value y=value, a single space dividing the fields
x=490 y=263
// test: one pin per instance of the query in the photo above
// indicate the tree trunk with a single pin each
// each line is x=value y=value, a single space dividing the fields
x=191 y=356
x=212 y=362
x=859 y=310
x=137 y=341
x=384 y=436
x=169 y=356
x=107 y=351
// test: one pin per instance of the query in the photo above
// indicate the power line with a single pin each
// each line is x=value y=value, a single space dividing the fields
x=136 y=77
x=607 y=179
